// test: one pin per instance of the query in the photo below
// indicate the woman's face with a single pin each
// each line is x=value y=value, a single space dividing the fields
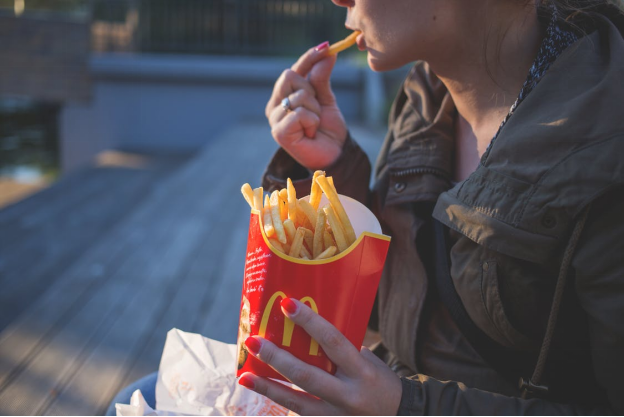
x=397 y=32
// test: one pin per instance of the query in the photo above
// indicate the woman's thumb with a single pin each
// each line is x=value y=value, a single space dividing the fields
x=320 y=76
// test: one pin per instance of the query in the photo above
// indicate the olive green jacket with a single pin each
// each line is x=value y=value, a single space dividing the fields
x=562 y=150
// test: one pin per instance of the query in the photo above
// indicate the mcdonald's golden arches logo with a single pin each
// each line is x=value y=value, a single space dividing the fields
x=289 y=325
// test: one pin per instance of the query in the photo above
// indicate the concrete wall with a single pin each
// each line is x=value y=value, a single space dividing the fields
x=178 y=103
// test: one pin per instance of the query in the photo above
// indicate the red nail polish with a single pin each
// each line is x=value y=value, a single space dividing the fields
x=253 y=345
x=322 y=46
x=246 y=382
x=289 y=305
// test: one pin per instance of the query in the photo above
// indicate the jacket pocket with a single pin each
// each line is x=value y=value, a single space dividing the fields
x=507 y=334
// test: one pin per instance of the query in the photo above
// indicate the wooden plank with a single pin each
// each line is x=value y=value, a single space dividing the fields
x=220 y=319
x=26 y=214
x=68 y=294
x=212 y=309
x=61 y=241
x=181 y=294
x=194 y=289
x=151 y=250
x=136 y=324
x=59 y=360
x=24 y=218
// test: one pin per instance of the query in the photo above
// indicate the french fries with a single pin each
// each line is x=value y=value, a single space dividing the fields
x=283 y=195
x=330 y=191
x=319 y=232
x=269 y=230
x=346 y=43
x=276 y=217
x=341 y=240
x=308 y=210
x=292 y=200
x=258 y=193
x=300 y=227
x=316 y=192
x=248 y=194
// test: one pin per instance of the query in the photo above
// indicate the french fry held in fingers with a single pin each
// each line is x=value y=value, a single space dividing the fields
x=346 y=43
x=332 y=196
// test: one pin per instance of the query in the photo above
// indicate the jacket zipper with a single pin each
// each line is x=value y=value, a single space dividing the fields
x=421 y=170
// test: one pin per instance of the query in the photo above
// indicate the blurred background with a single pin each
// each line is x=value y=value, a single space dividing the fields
x=126 y=130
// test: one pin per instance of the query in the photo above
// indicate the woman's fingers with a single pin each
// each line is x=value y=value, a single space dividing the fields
x=303 y=98
x=337 y=347
x=317 y=66
x=296 y=401
x=310 y=378
x=285 y=85
x=300 y=98
x=306 y=62
x=320 y=79
x=292 y=126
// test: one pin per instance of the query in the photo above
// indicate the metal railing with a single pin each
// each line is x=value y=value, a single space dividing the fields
x=225 y=27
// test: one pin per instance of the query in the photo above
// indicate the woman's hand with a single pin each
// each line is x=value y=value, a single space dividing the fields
x=312 y=130
x=362 y=385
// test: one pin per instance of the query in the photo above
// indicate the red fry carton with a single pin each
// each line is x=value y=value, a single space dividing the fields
x=341 y=289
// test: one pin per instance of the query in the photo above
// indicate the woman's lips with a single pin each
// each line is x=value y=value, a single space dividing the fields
x=361 y=43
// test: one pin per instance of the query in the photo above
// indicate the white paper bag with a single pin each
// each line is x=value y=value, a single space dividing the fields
x=197 y=376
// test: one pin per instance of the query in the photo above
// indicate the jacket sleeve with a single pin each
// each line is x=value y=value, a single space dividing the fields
x=423 y=395
x=351 y=173
x=599 y=280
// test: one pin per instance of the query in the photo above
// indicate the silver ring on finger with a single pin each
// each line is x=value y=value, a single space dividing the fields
x=286 y=105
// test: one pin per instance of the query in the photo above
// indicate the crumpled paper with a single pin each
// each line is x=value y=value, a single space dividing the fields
x=138 y=407
x=197 y=376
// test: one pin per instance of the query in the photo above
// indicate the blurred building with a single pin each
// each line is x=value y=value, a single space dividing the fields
x=85 y=76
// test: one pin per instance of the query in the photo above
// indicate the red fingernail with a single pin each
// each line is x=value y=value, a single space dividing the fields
x=246 y=382
x=322 y=46
x=253 y=345
x=289 y=305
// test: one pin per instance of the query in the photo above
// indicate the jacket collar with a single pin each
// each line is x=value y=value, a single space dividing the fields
x=421 y=140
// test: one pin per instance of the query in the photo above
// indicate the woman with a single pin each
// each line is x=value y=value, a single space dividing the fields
x=505 y=261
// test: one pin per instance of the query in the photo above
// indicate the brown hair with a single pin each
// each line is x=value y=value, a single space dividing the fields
x=577 y=11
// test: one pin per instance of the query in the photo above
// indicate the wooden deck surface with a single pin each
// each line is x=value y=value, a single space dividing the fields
x=97 y=268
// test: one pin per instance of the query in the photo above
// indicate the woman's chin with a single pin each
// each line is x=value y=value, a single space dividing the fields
x=379 y=64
